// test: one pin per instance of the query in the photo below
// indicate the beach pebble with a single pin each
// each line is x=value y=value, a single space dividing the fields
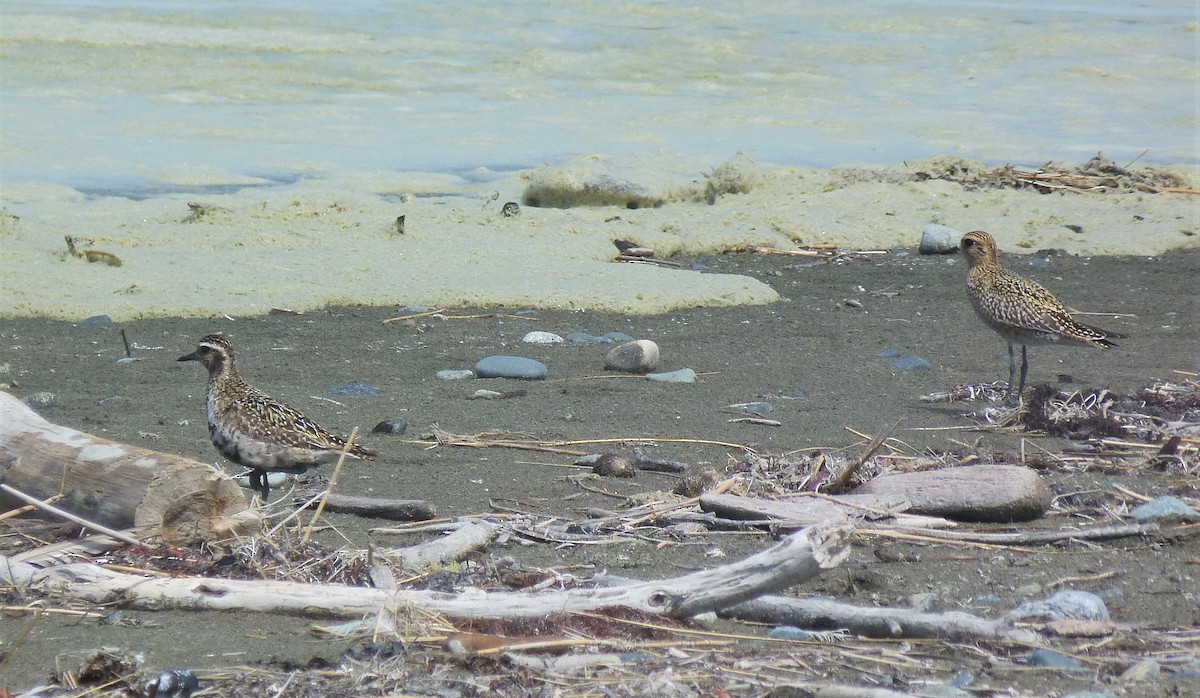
x=98 y=320
x=273 y=479
x=760 y=407
x=1164 y=507
x=613 y=465
x=970 y=493
x=911 y=363
x=1049 y=658
x=483 y=394
x=683 y=375
x=1070 y=604
x=393 y=427
x=354 y=390
x=176 y=683
x=939 y=239
x=454 y=375
x=517 y=367
x=557 y=187
x=42 y=399
x=638 y=356
x=538 y=337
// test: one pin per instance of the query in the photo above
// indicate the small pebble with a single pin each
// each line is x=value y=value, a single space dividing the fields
x=42 y=399
x=613 y=465
x=393 y=427
x=1049 y=658
x=273 y=479
x=517 y=367
x=1164 y=507
x=939 y=239
x=454 y=375
x=128 y=359
x=354 y=390
x=638 y=356
x=538 y=337
x=1065 y=605
x=759 y=408
x=583 y=338
x=683 y=375
x=911 y=363
x=482 y=394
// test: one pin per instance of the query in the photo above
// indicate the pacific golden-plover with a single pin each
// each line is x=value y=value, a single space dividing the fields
x=1020 y=310
x=256 y=431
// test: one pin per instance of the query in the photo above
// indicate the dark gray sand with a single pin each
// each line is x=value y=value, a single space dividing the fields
x=814 y=358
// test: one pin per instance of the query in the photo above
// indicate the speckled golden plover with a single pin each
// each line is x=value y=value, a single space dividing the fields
x=1020 y=310
x=256 y=431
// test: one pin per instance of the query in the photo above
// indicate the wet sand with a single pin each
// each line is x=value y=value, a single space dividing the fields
x=814 y=357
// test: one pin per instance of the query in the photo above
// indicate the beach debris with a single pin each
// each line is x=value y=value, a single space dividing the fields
x=516 y=367
x=560 y=187
x=398 y=225
x=760 y=421
x=391 y=427
x=1164 y=507
x=1096 y=175
x=939 y=239
x=372 y=507
x=542 y=338
x=89 y=254
x=483 y=394
x=642 y=461
x=683 y=375
x=632 y=249
x=758 y=407
x=1069 y=604
x=199 y=211
x=510 y=209
x=175 y=683
x=638 y=356
x=989 y=492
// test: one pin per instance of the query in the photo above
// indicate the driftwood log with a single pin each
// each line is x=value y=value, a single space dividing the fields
x=373 y=507
x=987 y=493
x=117 y=485
x=799 y=512
x=796 y=558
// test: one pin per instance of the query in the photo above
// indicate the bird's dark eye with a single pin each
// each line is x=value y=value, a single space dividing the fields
x=968 y=243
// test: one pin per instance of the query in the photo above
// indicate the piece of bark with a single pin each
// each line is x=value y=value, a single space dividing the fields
x=890 y=623
x=798 y=512
x=796 y=558
x=374 y=507
x=983 y=493
x=472 y=536
x=118 y=485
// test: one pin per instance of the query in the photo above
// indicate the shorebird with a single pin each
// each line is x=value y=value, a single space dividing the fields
x=1020 y=310
x=256 y=431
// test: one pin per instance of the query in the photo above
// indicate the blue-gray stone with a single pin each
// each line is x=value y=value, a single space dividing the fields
x=1164 y=507
x=911 y=363
x=1066 y=605
x=393 y=427
x=683 y=375
x=615 y=337
x=1038 y=261
x=1049 y=658
x=511 y=367
x=98 y=320
x=454 y=374
x=789 y=632
x=939 y=239
x=540 y=337
x=889 y=353
x=354 y=390
x=583 y=338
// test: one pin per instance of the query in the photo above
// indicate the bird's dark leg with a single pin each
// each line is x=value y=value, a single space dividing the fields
x=1024 y=370
x=1012 y=370
x=264 y=485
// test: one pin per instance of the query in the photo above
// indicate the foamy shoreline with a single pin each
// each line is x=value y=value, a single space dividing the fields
x=333 y=241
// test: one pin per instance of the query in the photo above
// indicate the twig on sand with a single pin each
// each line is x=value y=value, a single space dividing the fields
x=337 y=471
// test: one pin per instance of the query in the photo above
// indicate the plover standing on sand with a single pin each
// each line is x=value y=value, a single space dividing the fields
x=1020 y=310
x=256 y=431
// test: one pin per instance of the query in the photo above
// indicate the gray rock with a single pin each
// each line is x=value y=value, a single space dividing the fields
x=98 y=320
x=1164 y=507
x=911 y=363
x=638 y=356
x=939 y=239
x=483 y=394
x=683 y=375
x=539 y=337
x=40 y=400
x=392 y=427
x=454 y=375
x=354 y=390
x=1070 y=604
x=583 y=338
x=988 y=492
x=517 y=367
x=1049 y=658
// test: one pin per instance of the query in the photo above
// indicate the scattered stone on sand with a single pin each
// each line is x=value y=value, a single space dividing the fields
x=939 y=239
x=391 y=427
x=638 y=356
x=41 y=400
x=517 y=367
x=1164 y=507
x=539 y=337
x=354 y=390
x=970 y=493
x=557 y=187
x=759 y=407
x=911 y=363
x=451 y=374
x=683 y=375
x=1069 y=604
x=613 y=465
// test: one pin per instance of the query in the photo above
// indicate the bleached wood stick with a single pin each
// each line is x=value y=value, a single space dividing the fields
x=115 y=535
x=473 y=535
x=796 y=558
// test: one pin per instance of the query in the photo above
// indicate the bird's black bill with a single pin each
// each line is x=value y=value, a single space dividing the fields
x=194 y=356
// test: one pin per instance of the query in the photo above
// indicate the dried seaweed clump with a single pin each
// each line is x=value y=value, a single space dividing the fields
x=1096 y=175
x=1084 y=414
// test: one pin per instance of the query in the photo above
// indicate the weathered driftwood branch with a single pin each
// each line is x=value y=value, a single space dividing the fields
x=115 y=484
x=810 y=511
x=374 y=507
x=798 y=557
x=827 y=614
x=471 y=536
x=1031 y=537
